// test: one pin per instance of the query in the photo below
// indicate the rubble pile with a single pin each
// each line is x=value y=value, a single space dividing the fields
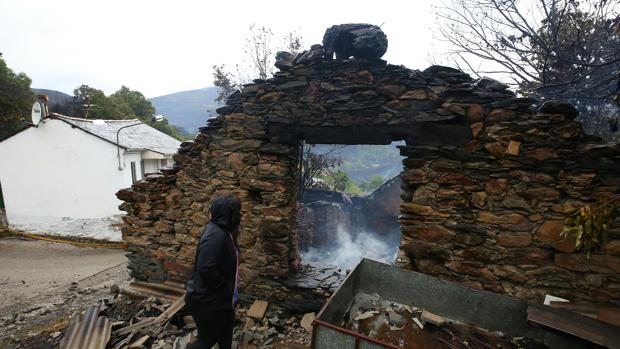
x=322 y=281
x=407 y=326
x=488 y=178
x=141 y=315
x=274 y=328
x=270 y=328
x=40 y=321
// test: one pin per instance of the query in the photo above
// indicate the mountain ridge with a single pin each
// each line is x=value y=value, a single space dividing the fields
x=188 y=109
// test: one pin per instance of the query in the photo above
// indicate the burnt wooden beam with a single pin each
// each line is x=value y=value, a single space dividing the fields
x=455 y=134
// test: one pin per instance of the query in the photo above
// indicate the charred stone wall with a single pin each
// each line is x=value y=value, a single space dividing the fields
x=487 y=179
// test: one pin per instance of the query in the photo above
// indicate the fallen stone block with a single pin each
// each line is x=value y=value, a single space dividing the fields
x=306 y=321
x=258 y=309
x=434 y=319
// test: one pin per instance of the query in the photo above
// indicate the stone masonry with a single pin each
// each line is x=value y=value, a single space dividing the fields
x=487 y=177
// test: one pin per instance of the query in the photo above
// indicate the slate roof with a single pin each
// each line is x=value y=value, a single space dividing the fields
x=140 y=137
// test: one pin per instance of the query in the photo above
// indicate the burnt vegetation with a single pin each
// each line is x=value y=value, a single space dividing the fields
x=549 y=49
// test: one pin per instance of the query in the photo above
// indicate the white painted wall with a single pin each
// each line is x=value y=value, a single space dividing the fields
x=55 y=173
x=151 y=166
x=169 y=163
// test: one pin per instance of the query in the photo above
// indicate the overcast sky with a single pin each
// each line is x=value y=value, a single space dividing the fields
x=161 y=47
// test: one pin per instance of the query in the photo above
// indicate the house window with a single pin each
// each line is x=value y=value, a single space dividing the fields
x=134 y=179
x=141 y=168
x=164 y=162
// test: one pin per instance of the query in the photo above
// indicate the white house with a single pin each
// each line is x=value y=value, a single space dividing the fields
x=61 y=176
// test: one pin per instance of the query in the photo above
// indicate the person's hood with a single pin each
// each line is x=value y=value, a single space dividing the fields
x=225 y=212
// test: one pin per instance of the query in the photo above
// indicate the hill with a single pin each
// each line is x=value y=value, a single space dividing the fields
x=363 y=161
x=55 y=97
x=187 y=109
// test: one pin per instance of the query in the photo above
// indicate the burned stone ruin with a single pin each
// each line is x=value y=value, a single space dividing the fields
x=487 y=178
x=337 y=230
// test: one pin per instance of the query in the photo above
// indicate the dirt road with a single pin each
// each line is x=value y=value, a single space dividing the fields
x=33 y=267
x=43 y=285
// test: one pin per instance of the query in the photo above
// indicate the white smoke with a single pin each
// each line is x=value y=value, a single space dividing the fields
x=346 y=250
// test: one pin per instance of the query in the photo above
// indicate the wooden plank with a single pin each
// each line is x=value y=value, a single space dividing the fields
x=577 y=325
x=165 y=316
x=588 y=310
x=610 y=315
x=603 y=312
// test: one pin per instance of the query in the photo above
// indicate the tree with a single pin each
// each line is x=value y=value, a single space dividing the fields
x=91 y=103
x=341 y=182
x=134 y=100
x=315 y=167
x=373 y=183
x=16 y=99
x=125 y=103
x=550 y=49
x=258 y=63
x=171 y=130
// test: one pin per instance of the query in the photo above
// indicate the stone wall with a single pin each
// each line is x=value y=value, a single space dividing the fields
x=487 y=179
x=318 y=222
x=490 y=216
x=166 y=213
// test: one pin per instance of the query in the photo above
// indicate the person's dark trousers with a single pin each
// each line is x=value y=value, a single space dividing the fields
x=213 y=327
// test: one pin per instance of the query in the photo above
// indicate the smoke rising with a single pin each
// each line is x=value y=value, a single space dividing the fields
x=347 y=249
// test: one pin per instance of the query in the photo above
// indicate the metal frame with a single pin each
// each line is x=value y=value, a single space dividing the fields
x=358 y=336
x=486 y=310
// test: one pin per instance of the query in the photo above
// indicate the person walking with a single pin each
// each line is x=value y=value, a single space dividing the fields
x=212 y=290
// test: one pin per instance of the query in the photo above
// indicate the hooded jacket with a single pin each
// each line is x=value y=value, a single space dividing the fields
x=213 y=281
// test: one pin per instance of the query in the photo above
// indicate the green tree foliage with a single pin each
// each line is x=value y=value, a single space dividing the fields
x=168 y=129
x=589 y=226
x=16 y=99
x=134 y=101
x=355 y=168
x=372 y=183
x=341 y=182
x=92 y=103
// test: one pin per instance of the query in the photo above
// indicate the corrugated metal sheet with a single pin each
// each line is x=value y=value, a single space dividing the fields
x=167 y=291
x=88 y=331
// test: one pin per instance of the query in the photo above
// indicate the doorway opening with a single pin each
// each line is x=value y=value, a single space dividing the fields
x=348 y=204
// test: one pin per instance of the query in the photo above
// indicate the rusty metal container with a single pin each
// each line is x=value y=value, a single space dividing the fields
x=485 y=310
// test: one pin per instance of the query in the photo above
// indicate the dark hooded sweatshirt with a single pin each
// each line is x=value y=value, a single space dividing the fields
x=213 y=282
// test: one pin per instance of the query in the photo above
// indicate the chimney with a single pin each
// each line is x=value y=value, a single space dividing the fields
x=43 y=99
